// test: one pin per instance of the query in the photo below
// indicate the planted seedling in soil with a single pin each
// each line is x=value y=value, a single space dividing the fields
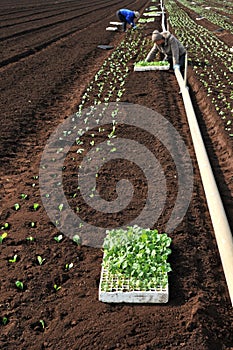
x=30 y=239
x=16 y=206
x=5 y=226
x=40 y=260
x=19 y=285
x=58 y=238
x=14 y=259
x=68 y=266
x=4 y=320
x=2 y=237
x=39 y=326
x=56 y=287
x=42 y=323
x=36 y=206
x=77 y=239
x=24 y=196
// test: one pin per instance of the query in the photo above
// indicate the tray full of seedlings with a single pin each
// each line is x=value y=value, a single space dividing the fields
x=146 y=66
x=135 y=267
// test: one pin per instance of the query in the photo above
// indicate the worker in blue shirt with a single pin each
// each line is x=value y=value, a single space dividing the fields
x=127 y=16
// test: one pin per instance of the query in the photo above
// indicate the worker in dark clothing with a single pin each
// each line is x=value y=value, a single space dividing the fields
x=127 y=17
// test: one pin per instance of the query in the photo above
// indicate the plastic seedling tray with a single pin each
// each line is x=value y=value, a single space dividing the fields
x=113 y=29
x=135 y=267
x=153 y=14
x=147 y=66
x=116 y=23
x=146 y=20
x=115 y=289
x=105 y=47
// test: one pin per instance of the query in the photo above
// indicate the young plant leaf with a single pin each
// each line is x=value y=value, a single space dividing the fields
x=19 y=285
x=3 y=236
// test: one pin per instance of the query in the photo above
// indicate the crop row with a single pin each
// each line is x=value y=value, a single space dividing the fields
x=211 y=60
x=210 y=14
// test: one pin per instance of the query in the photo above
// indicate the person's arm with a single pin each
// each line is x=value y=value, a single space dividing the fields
x=151 y=55
x=130 y=19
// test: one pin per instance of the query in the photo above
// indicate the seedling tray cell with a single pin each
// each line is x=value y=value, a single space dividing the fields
x=113 y=289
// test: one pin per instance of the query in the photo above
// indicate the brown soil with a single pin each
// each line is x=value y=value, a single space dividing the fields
x=49 y=55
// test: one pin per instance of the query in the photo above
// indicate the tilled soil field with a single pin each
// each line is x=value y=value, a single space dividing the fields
x=49 y=56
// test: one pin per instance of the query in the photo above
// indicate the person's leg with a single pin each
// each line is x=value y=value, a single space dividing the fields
x=182 y=61
x=124 y=26
x=122 y=19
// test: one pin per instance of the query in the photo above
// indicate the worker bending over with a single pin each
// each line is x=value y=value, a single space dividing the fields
x=127 y=16
x=172 y=49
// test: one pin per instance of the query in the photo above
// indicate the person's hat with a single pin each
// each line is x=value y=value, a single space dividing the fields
x=156 y=35
x=136 y=14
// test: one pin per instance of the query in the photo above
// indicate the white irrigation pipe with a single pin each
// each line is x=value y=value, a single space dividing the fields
x=221 y=226
x=163 y=16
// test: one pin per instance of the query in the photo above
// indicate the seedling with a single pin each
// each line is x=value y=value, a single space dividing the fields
x=19 y=285
x=14 y=259
x=32 y=224
x=36 y=206
x=58 y=238
x=2 y=237
x=30 y=239
x=4 y=320
x=40 y=260
x=60 y=207
x=76 y=239
x=68 y=266
x=42 y=323
x=17 y=206
x=5 y=226
x=56 y=287
x=24 y=196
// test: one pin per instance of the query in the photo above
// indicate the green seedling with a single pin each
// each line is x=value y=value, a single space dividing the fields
x=56 y=287
x=76 y=239
x=36 y=206
x=68 y=266
x=5 y=226
x=4 y=320
x=58 y=238
x=42 y=323
x=60 y=207
x=17 y=206
x=14 y=259
x=139 y=255
x=30 y=239
x=2 y=237
x=40 y=260
x=32 y=224
x=24 y=196
x=19 y=285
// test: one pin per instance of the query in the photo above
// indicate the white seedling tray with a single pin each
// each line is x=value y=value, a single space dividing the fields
x=146 y=68
x=113 y=29
x=116 y=23
x=120 y=292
